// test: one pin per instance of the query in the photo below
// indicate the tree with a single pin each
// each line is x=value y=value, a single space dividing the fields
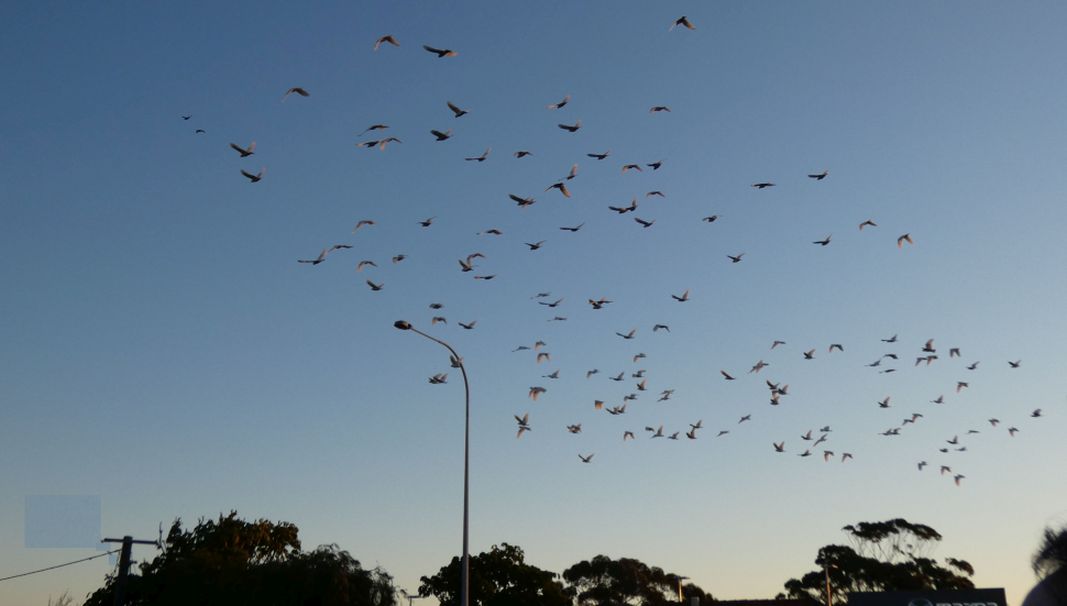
x=233 y=562
x=64 y=599
x=603 y=581
x=1051 y=555
x=883 y=556
x=498 y=577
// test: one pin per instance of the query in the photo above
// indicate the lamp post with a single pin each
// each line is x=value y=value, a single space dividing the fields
x=464 y=579
x=680 y=598
x=829 y=593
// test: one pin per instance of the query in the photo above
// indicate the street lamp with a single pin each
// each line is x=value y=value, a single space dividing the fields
x=457 y=362
x=829 y=592
x=680 y=598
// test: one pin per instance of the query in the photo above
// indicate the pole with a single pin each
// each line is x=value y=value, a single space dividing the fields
x=124 y=565
x=829 y=594
x=464 y=579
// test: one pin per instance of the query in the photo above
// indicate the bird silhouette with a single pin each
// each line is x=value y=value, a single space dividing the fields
x=559 y=104
x=296 y=90
x=682 y=21
x=440 y=52
x=244 y=151
x=386 y=39
x=456 y=110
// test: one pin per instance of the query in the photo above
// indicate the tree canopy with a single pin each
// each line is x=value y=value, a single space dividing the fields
x=603 y=581
x=883 y=556
x=234 y=562
x=498 y=577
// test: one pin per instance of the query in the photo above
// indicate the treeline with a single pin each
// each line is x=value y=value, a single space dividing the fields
x=233 y=562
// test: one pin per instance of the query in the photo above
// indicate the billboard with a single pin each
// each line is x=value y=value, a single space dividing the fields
x=950 y=597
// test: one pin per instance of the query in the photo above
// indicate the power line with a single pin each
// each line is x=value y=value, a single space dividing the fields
x=26 y=574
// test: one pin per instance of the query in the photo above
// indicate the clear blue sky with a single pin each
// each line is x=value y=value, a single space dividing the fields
x=161 y=347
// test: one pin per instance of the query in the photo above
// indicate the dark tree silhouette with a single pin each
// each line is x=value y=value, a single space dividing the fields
x=498 y=577
x=233 y=562
x=1051 y=556
x=884 y=556
x=603 y=581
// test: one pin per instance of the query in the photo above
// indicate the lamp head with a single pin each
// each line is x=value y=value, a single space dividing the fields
x=402 y=325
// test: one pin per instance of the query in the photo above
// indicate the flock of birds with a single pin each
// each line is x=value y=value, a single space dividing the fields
x=813 y=443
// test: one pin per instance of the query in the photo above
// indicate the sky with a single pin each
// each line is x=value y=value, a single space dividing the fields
x=164 y=353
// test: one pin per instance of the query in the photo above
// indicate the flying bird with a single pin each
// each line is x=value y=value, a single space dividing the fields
x=442 y=136
x=645 y=224
x=244 y=151
x=559 y=104
x=440 y=52
x=456 y=109
x=763 y=185
x=480 y=158
x=573 y=229
x=819 y=176
x=902 y=239
x=373 y=127
x=362 y=223
x=374 y=287
x=682 y=21
x=256 y=178
x=683 y=297
x=298 y=90
x=522 y=201
x=522 y=153
x=561 y=187
x=658 y=108
x=524 y=424
x=868 y=223
x=601 y=156
x=586 y=458
x=386 y=39
x=735 y=258
x=426 y=222
x=571 y=128
x=822 y=242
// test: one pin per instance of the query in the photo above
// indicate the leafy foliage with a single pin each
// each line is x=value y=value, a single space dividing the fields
x=233 y=562
x=1051 y=556
x=603 y=581
x=900 y=547
x=498 y=577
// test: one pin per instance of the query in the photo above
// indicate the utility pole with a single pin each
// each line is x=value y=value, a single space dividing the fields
x=829 y=593
x=124 y=564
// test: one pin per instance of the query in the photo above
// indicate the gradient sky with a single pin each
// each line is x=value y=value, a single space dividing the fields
x=162 y=349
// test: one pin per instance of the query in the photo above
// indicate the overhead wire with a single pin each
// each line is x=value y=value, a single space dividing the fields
x=26 y=574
